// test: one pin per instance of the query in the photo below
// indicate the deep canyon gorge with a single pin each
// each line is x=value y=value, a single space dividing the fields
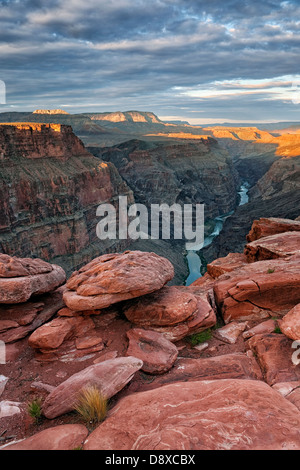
x=191 y=348
x=62 y=173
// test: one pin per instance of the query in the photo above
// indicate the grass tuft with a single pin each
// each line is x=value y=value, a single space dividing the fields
x=91 y=405
x=34 y=409
x=199 y=338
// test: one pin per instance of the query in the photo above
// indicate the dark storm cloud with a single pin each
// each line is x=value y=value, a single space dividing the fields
x=122 y=54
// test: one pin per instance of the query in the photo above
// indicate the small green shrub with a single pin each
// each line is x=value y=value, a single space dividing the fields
x=277 y=330
x=199 y=338
x=91 y=405
x=34 y=409
x=270 y=270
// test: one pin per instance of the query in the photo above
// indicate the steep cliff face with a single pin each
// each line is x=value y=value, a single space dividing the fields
x=275 y=194
x=253 y=150
x=86 y=129
x=50 y=188
x=184 y=173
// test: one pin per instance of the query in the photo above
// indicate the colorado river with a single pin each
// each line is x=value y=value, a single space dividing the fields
x=193 y=258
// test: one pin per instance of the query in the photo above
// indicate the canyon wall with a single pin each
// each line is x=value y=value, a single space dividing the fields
x=184 y=173
x=50 y=184
x=275 y=194
x=50 y=188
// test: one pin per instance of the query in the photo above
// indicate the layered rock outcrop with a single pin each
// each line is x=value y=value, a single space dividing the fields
x=279 y=245
x=192 y=416
x=30 y=295
x=109 y=376
x=115 y=277
x=22 y=278
x=174 y=312
x=226 y=393
x=50 y=188
x=259 y=290
x=271 y=226
x=134 y=284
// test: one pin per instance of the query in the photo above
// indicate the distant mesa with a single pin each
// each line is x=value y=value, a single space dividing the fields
x=50 y=111
x=181 y=123
x=127 y=116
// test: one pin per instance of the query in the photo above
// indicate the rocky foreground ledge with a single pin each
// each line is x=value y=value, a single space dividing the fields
x=118 y=325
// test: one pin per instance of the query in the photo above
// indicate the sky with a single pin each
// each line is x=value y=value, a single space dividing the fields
x=192 y=60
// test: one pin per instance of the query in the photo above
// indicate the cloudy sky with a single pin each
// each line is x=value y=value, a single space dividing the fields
x=201 y=61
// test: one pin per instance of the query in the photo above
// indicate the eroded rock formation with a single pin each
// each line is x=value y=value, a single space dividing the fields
x=50 y=188
x=248 y=366
x=193 y=172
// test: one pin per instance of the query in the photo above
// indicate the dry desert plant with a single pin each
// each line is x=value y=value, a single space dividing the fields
x=91 y=404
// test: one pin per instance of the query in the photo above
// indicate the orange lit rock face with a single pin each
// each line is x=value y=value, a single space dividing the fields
x=49 y=111
x=182 y=135
x=288 y=145
x=50 y=188
x=128 y=116
x=37 y=140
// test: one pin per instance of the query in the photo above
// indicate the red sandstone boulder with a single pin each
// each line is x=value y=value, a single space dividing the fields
x=7 y=324
x=206 y=282
x=52 y=334
x=275 y=246
x=224 y=265
x=264 y=327
x=165 y=307
x=284 y=388
x=226 y=366
x=10 y=266
x=290 y=324
x=265 y=227
x=30 y=316
x=230 y=332
x=22 y=314
x=63 y=437
x=115 y=277
x=259 y=290
x=294 y=397
x=109 y=376
x=208 y=415
x=157 y=353
x=203 y=319
x=175 y=312
x=274 y=354
x=14 y=290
